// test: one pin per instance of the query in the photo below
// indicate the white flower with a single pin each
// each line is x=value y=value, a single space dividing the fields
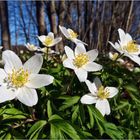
x=81 y=61
x=127 y=46
x=20 y=81
x=98 y=95
x=31 y=47
x=49 y=40
x=71 y=35
x=114 y=56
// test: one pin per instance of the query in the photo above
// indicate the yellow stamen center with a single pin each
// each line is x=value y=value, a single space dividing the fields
x=115 y=55
x=18 y=78
x=48 y=41
x=31 y=46
x=102 y=93
x=131 y=47
x=73 y=34
x=80 y=60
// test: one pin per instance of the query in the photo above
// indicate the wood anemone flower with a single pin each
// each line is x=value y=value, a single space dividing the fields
x=81 y=61
x=49 y=40
x=71 y=35
x=127 y=46
x=98 y=95
x=19 y=80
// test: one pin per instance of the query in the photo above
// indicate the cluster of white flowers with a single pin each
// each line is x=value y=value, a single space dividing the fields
x=19 y=81
x=81 y=62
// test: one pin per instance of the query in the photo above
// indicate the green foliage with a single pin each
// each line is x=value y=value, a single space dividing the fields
x=59 y=113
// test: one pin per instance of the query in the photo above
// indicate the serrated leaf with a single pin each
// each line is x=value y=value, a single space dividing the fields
x=8 y=117
x=64 y=126
x=75 y=113
x=69 y=102
x=36 y=128
x=56 y=133
x=111 y=130
x=96 y=113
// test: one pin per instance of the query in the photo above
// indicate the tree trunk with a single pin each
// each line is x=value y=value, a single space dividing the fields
x=40 y=14
x=4 y=25
x=53 y=17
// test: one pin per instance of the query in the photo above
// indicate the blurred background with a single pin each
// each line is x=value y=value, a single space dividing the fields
x=96 y=22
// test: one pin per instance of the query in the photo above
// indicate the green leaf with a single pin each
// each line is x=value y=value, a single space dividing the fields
x=7 y=136
x=36 y=128
x=56 y=133
x=14 y=111
x=123 y=104
x=75 y=113
x=112 y=130
x=132 y=88
x=49 y=109
x=96 y=113
x=69 y=102
x=91 y=117
x=98 y=118
x=64 y=126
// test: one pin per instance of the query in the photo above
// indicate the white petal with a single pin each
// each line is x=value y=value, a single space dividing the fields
x=97 y=82
x=122 y=36
x=6 y=94
x=69 y=52
x=103 y=106
x=134 y=58
x=112 y=91
x=55 y=41
x=11 y=60
x=92 y=66
x=88 y=99
x=42 y=38
x=64 y=31
x=107 y=107
x=2 y=76
x=34 y=64
x=117 y=47
x=128 y=38
x=92 y=87
x=27 y=96
x=80 y=48
x=68 y=64
x=100 y=105
x=76 y=41
x=81 y=74
x=39 y=80
x=51 y=35
x=92 y=54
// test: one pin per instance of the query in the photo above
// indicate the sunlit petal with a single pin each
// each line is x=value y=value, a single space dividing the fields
x=88 y=99
x=69 y=52
x=11 y=61
x=6 y=94
x=34 y=64
x=39 y=80
x=81 y=74
x=27 y=96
